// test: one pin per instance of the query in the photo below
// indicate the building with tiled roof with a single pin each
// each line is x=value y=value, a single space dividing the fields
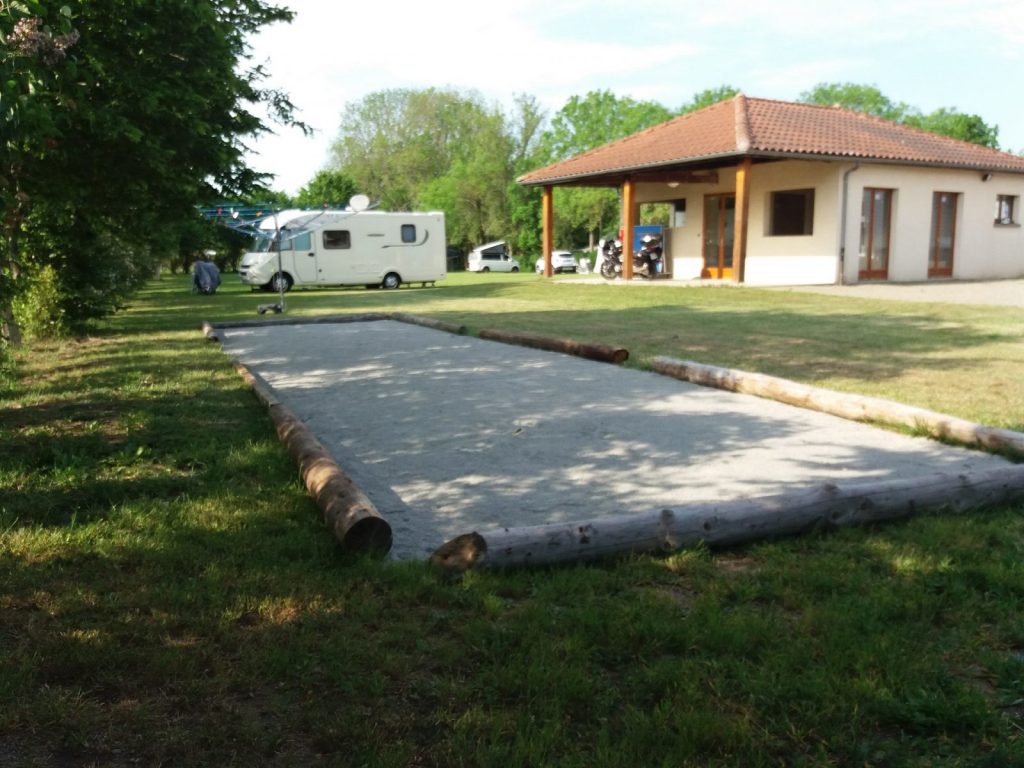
x=773 y=192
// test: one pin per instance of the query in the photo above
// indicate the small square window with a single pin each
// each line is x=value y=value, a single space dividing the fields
x=408 y=233
x=1007 y=209
x=337 y=238
x=791 y=212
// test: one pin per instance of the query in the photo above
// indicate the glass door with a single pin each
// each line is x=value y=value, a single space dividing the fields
x=940 y=258
x=719 y=232
x=875 y=221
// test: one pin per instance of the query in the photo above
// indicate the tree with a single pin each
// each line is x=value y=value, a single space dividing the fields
x=949 y=122
x=437 y=149
x=860 y=98
x=598 y=118
x=34 y=85
x=329 y=188
x=868 y=99
x=524 y=203
x=392 y=143
x=709 y=97
x=114 y=129
x=584 y=123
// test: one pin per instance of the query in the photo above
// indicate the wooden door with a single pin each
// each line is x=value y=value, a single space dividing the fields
x=719 y=235
x=940 y=256
x=875 y=233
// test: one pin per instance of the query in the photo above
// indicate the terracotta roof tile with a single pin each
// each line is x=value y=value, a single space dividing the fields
x=766 y=128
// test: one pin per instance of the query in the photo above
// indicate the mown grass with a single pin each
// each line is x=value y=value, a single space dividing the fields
x=168 y=595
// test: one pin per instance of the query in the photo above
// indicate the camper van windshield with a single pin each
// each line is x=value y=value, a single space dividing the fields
x=261 y=243
x=265 y=243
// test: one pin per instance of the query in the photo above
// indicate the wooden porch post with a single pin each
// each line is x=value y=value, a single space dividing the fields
x=629 y=217
x=548 y=226
x=739 y=245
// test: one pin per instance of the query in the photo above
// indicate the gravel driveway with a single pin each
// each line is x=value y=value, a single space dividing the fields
x=1003 y=293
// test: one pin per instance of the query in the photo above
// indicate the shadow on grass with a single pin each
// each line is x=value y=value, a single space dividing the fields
x=246 y=638
x=202 y=614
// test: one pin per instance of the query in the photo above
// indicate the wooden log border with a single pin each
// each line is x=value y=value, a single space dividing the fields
x=728 y=523
x=348 y=512
x=355 y=522
x=599 y=352
x=847 y=406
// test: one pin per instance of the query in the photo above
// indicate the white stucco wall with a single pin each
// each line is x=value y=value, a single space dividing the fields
x=983 y=249
x=792 y=260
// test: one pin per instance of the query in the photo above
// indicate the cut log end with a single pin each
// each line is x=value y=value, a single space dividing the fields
x=371 y=535
x=460 y=554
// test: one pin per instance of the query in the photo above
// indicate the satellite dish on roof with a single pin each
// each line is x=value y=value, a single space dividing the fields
x=359 y=203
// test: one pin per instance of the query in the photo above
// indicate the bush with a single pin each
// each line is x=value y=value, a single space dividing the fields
x=39 y=310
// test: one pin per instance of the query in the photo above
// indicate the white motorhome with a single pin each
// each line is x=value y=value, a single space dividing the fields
x=333 y=247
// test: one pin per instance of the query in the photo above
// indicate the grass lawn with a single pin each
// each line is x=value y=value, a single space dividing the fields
x=168 y=595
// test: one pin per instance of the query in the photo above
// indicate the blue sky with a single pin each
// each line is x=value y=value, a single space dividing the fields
x=965 y=54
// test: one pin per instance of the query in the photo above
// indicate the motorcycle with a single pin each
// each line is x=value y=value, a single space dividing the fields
x=645 y=261
x=611 y=258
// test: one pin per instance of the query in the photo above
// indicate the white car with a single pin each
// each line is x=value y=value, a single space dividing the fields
x=561 y=261
x=491 y=257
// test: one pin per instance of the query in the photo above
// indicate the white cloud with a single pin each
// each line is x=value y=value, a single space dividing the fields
x=664 y=50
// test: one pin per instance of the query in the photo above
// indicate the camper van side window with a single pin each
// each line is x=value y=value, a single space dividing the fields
x=408 y=233
x=337 y=238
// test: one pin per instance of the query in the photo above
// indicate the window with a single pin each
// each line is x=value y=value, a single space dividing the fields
x=288 y=242
x=337 y=238
x=679 y=213
x=791 y=212
x=1006 y=209
x=408 y=233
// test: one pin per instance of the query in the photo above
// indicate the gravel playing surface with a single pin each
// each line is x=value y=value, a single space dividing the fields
x=449 y=434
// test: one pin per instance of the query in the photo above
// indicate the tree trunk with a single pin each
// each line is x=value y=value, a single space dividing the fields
x=847 y=406
x=732 y=522
x=9 y=326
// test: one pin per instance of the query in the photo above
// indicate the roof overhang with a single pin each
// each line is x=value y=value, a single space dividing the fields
x=704 y=170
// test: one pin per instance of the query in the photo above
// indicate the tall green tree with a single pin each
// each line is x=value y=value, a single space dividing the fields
x=599 y=117
x=526 y=124
x=118 y=116
x=393 y=142
x=435 y=149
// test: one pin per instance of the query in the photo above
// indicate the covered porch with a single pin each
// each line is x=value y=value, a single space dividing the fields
x=725 y=214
